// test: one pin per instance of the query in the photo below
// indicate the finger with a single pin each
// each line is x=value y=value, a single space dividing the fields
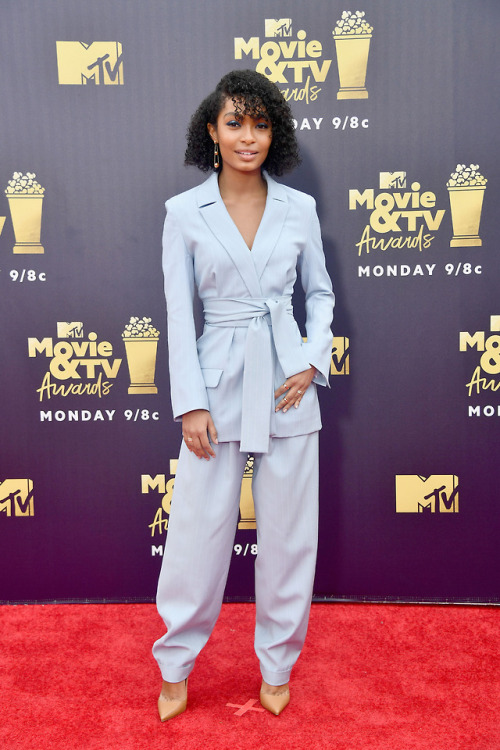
x=283 y=388
x=205 y=447
x=212 y=432
x=283 y=404
x=194 y=445
x=292 y=398
x=201 y=445
x=298 y=398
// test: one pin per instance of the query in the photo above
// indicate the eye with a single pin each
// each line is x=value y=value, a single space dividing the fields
x=263 y=125
x=233 y=123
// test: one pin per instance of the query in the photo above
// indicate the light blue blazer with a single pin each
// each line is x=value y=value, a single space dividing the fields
x=250 y=342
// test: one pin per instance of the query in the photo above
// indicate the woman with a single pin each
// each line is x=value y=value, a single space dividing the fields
x=246 y=386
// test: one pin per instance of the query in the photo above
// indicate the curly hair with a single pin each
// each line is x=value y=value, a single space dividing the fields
x=252 y=94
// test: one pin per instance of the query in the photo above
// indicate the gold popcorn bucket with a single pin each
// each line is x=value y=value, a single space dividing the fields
x=247 y=508
x=141 y=359
x=466 y=204
x=352 y=61
x=26 y=213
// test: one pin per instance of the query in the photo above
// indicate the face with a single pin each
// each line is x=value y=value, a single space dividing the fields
x=243 y=141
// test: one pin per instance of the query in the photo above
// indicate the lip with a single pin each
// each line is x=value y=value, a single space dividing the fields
x=247 y=154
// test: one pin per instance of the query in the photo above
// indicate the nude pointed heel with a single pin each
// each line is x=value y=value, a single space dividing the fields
x=168 y=708
x=277 y=702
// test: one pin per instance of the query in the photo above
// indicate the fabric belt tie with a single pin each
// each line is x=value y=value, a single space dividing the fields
x=264 y=318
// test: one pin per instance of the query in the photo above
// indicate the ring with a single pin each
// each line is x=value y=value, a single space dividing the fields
x=285 y=385
x=299 y=393
x=285 y=399
x=189 y=440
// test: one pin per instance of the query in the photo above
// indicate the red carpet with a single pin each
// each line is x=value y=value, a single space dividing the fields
x=377 y=677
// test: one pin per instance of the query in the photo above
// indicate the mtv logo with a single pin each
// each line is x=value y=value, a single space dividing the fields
x=70 y=330
x=437 y=493
x=278 y=27
x=16 y=497
x=340 y=356
x=392 y=180
x=98 y=63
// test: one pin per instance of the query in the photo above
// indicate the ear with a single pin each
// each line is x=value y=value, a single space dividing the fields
x=213 y=132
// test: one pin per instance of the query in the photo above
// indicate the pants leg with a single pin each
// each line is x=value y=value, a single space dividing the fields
x=285 y=491
x=201 y=529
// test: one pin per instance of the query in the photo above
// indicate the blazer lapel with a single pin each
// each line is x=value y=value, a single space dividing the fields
x=221 y=225
x=271 y=224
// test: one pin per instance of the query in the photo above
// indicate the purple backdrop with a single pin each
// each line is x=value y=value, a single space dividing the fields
x=397 y=118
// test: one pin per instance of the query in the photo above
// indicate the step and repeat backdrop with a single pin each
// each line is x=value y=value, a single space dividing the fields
x=396 y=111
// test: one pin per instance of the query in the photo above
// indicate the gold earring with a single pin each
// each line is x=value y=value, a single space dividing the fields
x=216 y=155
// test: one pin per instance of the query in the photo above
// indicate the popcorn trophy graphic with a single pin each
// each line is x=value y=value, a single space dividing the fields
x=25 y=196
x=141 y=343
x=352 y=36
x=466 y=188
x=247 y=508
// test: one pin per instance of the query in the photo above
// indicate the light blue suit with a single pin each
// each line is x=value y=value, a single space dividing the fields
x=250 y=345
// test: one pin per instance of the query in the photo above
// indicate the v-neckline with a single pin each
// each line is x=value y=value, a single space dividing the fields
x=250 y=264
x=266 y=204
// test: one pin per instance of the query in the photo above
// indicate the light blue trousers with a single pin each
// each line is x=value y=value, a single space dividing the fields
x=200 y=538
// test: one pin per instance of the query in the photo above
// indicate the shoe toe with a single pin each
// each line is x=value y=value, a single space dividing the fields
x=275 y=703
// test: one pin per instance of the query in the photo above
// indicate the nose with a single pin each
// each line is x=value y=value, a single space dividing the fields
x=246 y=133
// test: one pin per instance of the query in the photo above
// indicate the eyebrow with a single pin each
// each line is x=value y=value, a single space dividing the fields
x=239 y=116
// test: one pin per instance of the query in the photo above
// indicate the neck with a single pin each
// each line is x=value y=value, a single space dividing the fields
x=233 y=183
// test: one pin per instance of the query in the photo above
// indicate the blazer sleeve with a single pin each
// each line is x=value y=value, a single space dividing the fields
x=187 y=386
x=319 y=301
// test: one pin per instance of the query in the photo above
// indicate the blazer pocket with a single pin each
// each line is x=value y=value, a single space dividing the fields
x=211 y=376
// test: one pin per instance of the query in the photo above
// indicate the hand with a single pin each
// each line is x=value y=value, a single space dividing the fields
x=198 y=430
x=294 y=387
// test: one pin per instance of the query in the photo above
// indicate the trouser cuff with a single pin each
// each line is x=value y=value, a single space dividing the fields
x=173 y=674
x=275 y=678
